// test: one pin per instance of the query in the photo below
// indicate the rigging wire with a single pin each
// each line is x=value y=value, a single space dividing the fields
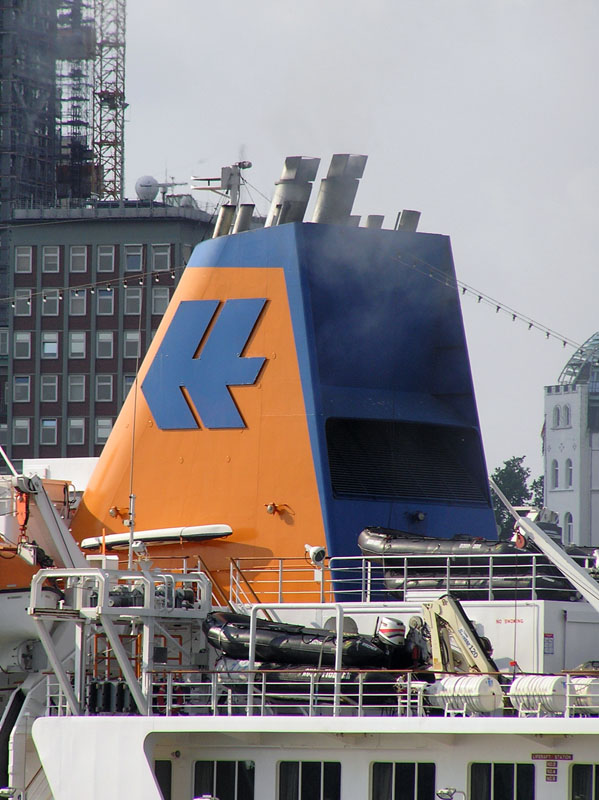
x=436 y=274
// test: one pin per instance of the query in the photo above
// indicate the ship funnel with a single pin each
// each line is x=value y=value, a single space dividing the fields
x=407 y=221
x=224 y=220
x=338 y=190
x=292 y=190
x=243 y=220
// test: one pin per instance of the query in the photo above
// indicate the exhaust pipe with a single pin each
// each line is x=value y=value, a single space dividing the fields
x=223 y=221
x=243 y=220
x=292 y=191
x=338 y=190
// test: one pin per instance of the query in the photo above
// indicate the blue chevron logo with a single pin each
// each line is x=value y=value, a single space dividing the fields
x=197 y=361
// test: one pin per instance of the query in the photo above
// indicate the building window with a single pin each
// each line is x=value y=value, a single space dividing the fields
x=403 y=781
x=318 y=779
x=105 y=302
x=77 y=302
x=568 y=528
x=104 y=344
x=3 y=341
x=50 y=303
x=227 y=780
x=132 y=300
x=187 y=250
x=22 y=302
x=133 y=257
x=21 y=390
x=22 y=344
x=48 y=431
x=103 y=388
x=78 y=262
x=50 y=258
x=131 y=344
x=75 y=430
x=569 y=473
x=556 y=416
x=77 y=344
x=160 y=298
x=49 y=388
x=103 y=428
x=3 y=434
x=76 y=388
x=161 y=257
x=20 y=431
x=23 y=259
x=567 y=417
x=505 y=781
x=554 y=474
x=106 y=258
x=128 y=381
x=49 y=344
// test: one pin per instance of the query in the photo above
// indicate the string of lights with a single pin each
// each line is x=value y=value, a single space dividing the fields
x=434 y=273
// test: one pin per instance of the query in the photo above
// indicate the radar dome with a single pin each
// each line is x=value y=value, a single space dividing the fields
x=147 y=187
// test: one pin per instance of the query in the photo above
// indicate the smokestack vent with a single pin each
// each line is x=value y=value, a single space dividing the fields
x=292 y=190
x=407 y=221
x=338 y=190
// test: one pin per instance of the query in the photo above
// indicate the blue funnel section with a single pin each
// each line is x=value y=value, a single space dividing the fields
x=385 y=374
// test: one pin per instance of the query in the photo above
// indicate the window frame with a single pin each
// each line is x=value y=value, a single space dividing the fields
x=48 y=338
x=102 y=339
x=23 y=303
x=4 y=341
x=158 y=250
x=157 y=291
x=48 y=258
x=99 y=424
x=50 y=302
x=130 y=337
x=23 y=381
x=19 y=338
x=72 y=427
x=23 y=255
x=101 y=297
x=100 y=256
x=25 y=427
x=73 y=387
x=45 y=385
x=77 y=302
x=104 y=380
x=132 y=301
x=133 y=251
x=77 y=251
x=75 y=351
x=554 y=474
x=53 y=428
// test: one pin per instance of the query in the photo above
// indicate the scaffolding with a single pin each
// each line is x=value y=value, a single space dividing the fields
x=109 y=96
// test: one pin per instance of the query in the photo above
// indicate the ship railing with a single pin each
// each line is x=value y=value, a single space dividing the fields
x=527 y=576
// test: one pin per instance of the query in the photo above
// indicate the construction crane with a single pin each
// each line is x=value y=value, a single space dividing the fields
x=109 y=98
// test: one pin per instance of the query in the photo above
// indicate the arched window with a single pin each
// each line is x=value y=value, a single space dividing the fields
x=554 y=474
x=568 y=527
x=556 y=416
x=569 y=473
x=567 y=416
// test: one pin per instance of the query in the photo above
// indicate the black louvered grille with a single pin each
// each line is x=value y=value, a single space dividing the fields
x=380 y=459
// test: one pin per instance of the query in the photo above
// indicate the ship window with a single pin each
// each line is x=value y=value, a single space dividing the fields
x=164 y=777
x=502 y=781
x=554 y=474
x=585 y=782
x=390 y=459
x=317 y=780
x=556 y=416
x=227 y=780
x=403 y=781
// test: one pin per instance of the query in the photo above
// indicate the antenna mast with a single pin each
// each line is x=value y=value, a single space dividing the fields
x=109 y=97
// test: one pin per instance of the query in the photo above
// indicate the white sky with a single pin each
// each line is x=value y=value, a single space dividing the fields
x=482 y=114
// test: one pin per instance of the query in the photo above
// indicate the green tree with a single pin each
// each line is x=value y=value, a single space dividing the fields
x=513 y=480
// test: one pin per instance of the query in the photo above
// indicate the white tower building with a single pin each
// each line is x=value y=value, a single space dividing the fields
x=571 y=446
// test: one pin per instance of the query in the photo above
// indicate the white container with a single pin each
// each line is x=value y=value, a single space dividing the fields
x=540 y=693
x=475 y=694
x=584 y=693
